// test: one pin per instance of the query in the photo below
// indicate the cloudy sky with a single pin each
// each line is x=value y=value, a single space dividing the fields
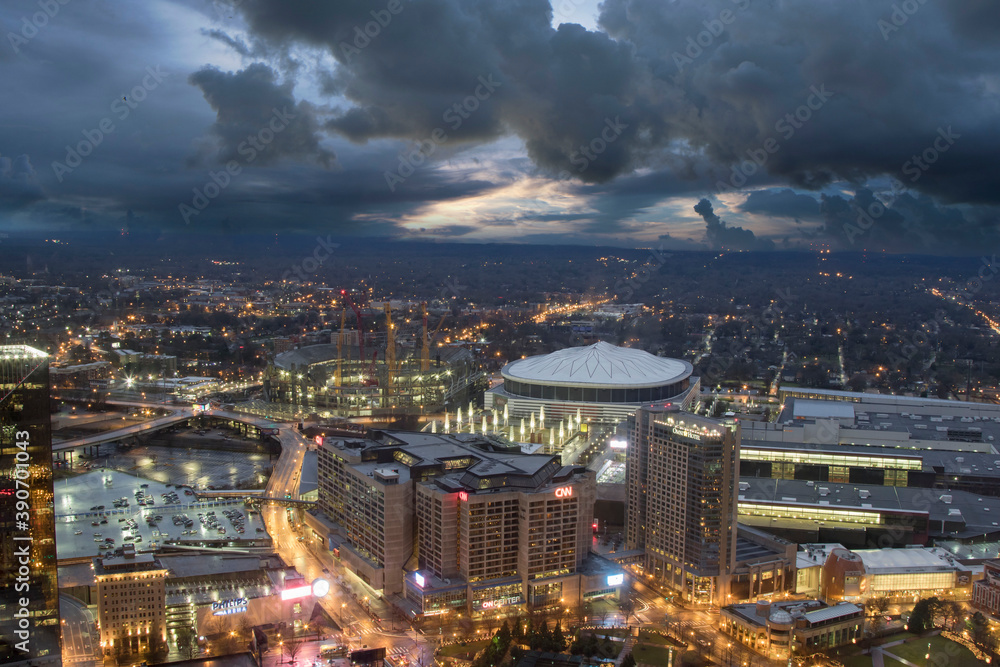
x=748 y=124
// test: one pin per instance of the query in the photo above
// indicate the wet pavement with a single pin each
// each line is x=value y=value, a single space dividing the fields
x=77 y=498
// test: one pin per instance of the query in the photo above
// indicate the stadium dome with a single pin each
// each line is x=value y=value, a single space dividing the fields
x=599 y=373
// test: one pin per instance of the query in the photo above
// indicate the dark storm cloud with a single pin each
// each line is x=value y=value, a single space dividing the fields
x=571 y=95
x=251 y=104
x=18 y=183
x=652 y=111
x=784 y=203
x=830 y=92
x=719 y=236
x=906 y=223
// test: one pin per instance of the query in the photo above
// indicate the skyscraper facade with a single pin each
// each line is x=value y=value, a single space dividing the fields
x=682 y=474
x=29 y=597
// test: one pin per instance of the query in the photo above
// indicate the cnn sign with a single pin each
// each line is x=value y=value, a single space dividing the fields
x=564 y=492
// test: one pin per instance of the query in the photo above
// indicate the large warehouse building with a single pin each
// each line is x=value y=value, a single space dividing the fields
x=601 y=382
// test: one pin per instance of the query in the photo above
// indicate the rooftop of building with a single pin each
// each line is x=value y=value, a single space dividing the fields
x=934 y=420
x=979 y=514
x=389 y=456
x=142 y=561
x=908 y=560
x=815 y=555
x=814 y=611
x=599 y=365
x=20 y=352
x=931 y=460
x=200 y=564
x=971 y=552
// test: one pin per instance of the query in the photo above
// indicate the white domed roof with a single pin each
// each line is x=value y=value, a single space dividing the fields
x=599 y=365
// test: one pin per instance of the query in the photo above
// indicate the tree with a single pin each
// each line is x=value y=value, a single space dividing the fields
x=628 y=660
x=292 y=649
x=504 y=633
x=952 y=612
x=158 y=648
x=979 y=631
x=517 y=630
x=924 y=611
x=187 y=642
x=558 y=638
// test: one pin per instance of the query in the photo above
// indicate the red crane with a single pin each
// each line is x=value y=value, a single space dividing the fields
x=361 y=331
x=371 y=379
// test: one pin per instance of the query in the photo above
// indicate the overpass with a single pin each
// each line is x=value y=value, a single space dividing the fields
x=255 y=496
x=178 y=416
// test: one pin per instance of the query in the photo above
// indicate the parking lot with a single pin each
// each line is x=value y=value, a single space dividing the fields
x=197 y=468
x=125 y=509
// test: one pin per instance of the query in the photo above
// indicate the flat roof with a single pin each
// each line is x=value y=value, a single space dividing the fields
x=980 y=514
x=908 y=560
x=806 y=409
x=204 y=564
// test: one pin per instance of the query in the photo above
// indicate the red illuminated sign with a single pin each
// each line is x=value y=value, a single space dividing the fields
x=463 y=496
x=319 y=441
x=564 y=492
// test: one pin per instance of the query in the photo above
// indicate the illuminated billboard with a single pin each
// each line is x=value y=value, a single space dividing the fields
x=616 y=579
x=419 y=578
x=618 y=444
x=296 y=592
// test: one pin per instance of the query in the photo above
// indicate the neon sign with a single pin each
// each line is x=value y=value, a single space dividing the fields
x=319 y=440
x=564 y=492
x=463 y=496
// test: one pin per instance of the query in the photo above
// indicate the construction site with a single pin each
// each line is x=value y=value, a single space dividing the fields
x=376 y=373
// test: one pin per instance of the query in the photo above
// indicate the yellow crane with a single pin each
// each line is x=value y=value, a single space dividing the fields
x=425 y=352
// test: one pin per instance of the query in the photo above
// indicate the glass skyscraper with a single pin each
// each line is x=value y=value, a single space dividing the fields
x=29 y=595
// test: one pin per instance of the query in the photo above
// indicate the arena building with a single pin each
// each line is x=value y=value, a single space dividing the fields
x=333 y=381
x=835 y=573
x=602 y=382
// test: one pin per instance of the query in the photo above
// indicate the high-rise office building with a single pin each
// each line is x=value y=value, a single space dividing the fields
x=29 y=597
x=682 y=474
x=130 y=602
x=460 y=522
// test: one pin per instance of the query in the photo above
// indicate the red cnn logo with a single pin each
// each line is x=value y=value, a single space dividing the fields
x=564 y=492
x=463 y=496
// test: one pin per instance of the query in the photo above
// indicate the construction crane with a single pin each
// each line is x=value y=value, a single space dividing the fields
x=371 y=380
x=425 y=353
x=337 y=378
x=390 y=349
x=425 y=350
x=361 y=331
